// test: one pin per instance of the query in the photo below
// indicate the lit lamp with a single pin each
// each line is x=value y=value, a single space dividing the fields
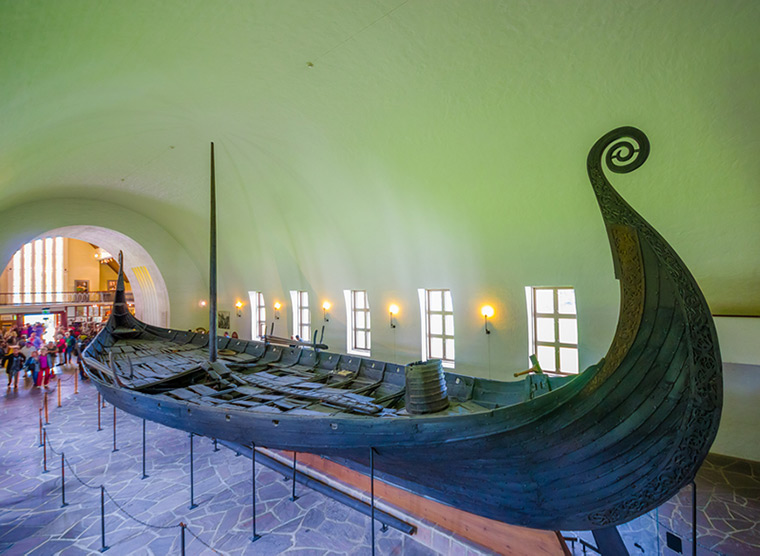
x=487 y=312
x=239 y=307
x=277 y=309
x=393 y=310
x=326 y=307
x=202 y=303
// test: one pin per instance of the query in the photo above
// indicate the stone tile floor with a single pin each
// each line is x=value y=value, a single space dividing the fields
x=728 y=514
x=149 y=511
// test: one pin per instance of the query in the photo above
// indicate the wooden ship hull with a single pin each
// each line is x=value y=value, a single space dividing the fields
x=560 y=453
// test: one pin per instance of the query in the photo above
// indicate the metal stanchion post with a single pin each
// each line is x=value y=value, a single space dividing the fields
x=372 y=496
x=103 y=546
x=293 y=496
x=144 y=475
x=44 y=451
x=99 y=427
x=63 y=481
x=192 y=493
x=40 y=426
x=76 y=382
x=45 y=403
x=182 y=526
x=255 y=537
x=115 y=449
x=59 y=392
x=216 y=448
x=694 y=518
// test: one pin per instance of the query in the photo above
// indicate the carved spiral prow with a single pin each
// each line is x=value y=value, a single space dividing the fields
x=621 y=151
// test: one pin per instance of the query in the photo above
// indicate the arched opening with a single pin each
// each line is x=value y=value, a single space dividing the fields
x=151 y=298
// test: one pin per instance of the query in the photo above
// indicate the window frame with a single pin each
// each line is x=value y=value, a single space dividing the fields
x=428 y=315
x=258 y=314
x=533 y=315
x=353 y=332
x=300 y=303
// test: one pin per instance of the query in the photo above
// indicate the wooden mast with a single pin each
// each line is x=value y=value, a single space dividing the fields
x=212 y=269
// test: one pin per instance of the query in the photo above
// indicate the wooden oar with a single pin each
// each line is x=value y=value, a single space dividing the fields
x=536 y=368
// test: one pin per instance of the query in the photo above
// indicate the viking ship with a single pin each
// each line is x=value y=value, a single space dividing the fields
x=551 y=452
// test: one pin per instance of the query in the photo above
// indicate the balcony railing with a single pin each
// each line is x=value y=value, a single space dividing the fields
x=59 y=298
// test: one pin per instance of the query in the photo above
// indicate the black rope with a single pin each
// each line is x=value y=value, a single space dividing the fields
x=140 y=521
x=50 y=444
x=68 y=464
x=201 y=541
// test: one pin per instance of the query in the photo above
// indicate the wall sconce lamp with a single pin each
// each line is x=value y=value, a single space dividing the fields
x=392 y=310
x=487 y=312
x=202 y=303
x=239 y=307
x=277 y=309
x=326 y=307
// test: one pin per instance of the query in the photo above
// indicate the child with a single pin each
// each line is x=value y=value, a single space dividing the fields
x=33 y=364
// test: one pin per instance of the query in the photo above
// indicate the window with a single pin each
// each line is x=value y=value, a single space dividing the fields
x=358 y=339
x=258 y=314
x=38 y=271
x=437 y=312
x=553 y=328
x=301 y=315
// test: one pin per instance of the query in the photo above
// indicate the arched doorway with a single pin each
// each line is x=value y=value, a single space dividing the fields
x=148 y=286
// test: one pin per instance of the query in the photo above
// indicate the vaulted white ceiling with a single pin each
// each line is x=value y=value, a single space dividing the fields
x=385 y=144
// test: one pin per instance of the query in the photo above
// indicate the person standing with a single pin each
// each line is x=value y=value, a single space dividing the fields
x=61 y=349
x=44 y=375
x=13 y=362
x=70 y=344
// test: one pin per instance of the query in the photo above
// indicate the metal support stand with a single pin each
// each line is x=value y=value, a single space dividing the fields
x=115 y=449
x=293 y=496
x=58 y=387
x=372 y=496
x=609 y=541
x=694 y=518
x=40 y=427
x=44 y=451
x=99 y=427
x=255 y=537
x=47 y=420
x=76 y=382
x=103 y=546
x=144 y=475
x=216 y=448
x=63 y=481
x=193 y=505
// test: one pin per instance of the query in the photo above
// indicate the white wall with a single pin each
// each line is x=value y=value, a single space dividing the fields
x=739 y=434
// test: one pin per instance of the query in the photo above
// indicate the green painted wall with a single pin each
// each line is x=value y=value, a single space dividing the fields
x=429 y=144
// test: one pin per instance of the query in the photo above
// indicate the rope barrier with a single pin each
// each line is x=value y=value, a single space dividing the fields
x=140 y=521
x=68 y=464
x=119 y=506
x=200 y=540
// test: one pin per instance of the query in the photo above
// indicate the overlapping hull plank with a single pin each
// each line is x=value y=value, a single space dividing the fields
x=592 y=451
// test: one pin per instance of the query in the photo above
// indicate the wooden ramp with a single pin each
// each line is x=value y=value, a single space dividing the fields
x=500 y=537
